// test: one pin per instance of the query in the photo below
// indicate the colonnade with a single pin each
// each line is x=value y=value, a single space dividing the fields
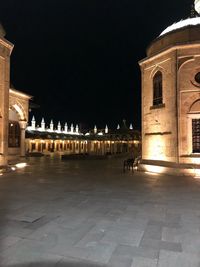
x=95 y=147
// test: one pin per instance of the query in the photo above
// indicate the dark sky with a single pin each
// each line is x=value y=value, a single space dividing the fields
x=78 y=58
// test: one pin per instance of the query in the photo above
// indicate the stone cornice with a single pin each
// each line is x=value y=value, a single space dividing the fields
x=7 y=44
x=20 y=94
x=168 y=50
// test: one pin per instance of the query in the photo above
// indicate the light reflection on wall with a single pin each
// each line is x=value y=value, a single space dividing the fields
x=156 y=150
x=195 y=160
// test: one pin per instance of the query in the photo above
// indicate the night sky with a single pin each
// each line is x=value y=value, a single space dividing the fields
x=79 y=58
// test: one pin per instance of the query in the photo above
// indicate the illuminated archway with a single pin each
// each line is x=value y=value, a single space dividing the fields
x=16 y=128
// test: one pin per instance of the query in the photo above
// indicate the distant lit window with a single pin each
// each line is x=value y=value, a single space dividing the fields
x=157 y=89
x=13 y=134
x=196 y=135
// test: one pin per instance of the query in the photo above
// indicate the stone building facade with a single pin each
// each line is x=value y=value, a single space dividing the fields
x=171 y=100
x=13 y=109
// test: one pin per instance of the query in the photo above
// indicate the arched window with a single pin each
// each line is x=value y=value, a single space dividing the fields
x=13 y=134
x=157 y=89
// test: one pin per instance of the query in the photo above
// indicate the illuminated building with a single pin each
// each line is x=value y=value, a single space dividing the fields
x=13 y=109
x=171 y=99
x=69 y=140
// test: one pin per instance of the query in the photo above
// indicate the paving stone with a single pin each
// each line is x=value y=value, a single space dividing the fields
x=133 y=251
x=90 y=214
x=190 y=241
x=123 y=236
x=90 y=239
x=166 y=223
x=157 y=244
x=175 y=259
x=73 y=262
x=40 y=222
x=9 y=241
x=131 y=223
x=119 y=261
x=153 y=232
x=101 y=226
x=173 y=218
x=101 y=252
x=144 y=262
x=26 y=252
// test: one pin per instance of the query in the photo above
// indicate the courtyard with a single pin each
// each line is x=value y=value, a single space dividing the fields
x=89 y=213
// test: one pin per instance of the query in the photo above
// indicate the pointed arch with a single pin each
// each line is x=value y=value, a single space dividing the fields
x=18 y=108
x=195 y=107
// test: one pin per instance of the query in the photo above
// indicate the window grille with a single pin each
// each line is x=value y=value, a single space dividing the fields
x=196 y=135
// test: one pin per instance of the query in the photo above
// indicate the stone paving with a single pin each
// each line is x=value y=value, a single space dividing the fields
x=89 y=213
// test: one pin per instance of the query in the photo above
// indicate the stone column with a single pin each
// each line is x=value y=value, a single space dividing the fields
x=23 y=125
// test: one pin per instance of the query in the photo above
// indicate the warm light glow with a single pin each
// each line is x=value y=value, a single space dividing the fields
x=152 y=173
x=20 y=94
x=197 y=173
x=195 y=161
x=18 y=109
x=154 y=169
x=182 y=24
x=13 y=168
x=156 y=148
x=21 y=165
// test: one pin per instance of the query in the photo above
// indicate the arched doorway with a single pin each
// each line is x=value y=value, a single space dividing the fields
x=16 y=131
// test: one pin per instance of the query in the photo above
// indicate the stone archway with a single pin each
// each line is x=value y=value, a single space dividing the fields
x=17 y=120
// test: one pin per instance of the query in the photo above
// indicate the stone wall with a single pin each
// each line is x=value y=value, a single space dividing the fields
x=5 y=51
x=159 y=123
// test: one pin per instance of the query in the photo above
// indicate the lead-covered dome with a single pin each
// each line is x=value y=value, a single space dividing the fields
x=182 y=33
x=182 y=24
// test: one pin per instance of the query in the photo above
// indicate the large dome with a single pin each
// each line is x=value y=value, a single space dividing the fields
x=183 y=32
x=182 y=24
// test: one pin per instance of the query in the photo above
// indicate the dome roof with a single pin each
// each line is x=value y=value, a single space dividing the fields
x=185 y=32
x=182 y=24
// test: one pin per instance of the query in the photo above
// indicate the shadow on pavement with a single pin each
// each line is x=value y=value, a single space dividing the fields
x=58 y=264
